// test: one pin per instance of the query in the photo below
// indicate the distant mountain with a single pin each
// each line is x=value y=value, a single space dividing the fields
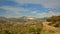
x=21 y=19
x=3 y=18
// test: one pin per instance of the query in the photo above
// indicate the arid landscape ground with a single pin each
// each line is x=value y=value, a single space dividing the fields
x=30 y=26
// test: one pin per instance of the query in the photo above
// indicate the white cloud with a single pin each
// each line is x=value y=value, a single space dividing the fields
x=34 y=12
x=16 y=10
x=46 y=3
x=49 y=14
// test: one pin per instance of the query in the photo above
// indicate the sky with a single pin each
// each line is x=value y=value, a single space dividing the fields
x=30 y=8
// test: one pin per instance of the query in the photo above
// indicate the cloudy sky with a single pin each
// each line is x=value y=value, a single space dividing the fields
x=32 y=8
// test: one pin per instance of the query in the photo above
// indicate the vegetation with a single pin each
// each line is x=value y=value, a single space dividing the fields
x=19 y=28
x=55 y=21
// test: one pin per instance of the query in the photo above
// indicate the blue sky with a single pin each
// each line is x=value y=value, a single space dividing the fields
x=32 y=8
